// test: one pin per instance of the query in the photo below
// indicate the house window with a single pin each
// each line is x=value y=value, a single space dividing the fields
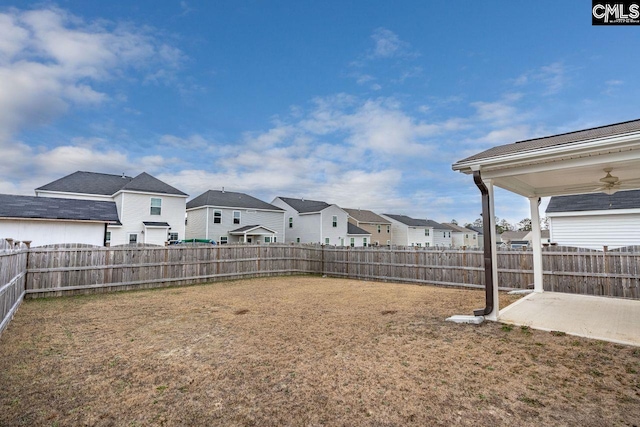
x=379 y=228
x=297 y=240
x=217 y=217
x=326 y=241
x=426 y=231
x=290 y=222
x=466 y=236
x=156 y=206
x=173 y=237
x=275 y=239
x=388 y=229
x=474 y=237
x=364 y=241
x=444 y=234
x=427 y=244
x=133 y=238
x=107 y=237
x=353 y=242
x=224 y=240
x=335 y=221
x=418 y=244
x=236 y=217
x=267 y=239
x=448 y=234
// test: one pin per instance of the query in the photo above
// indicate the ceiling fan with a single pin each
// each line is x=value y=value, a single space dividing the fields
x=610 y=184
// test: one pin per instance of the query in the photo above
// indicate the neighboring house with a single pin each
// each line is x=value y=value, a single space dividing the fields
x=463 y=237
x=48 y=220
x=230 y=217
x=357 y=237
x=522 y=239
x=378 y=227
x=480 y=235
x=595 y=220
x=312 y=221
x=408 y=231
x=514 y=239
x=150 y=210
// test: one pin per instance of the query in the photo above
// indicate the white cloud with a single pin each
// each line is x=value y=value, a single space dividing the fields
x=552 y=77
x=387 y=44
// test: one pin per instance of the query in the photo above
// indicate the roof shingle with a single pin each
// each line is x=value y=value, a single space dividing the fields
x=305 y=206
x=595 y=202
x=30 y=207
x=229 y=199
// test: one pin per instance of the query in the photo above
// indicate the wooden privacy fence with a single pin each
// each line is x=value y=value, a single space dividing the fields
x=82 y=269
x=13 y=268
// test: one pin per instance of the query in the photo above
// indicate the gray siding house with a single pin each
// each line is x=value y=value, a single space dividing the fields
x=231 y=217
x=313 y=221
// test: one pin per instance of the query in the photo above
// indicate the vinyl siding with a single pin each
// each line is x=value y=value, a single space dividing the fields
x=379 y=238
x=596 y=231
x=196 y=227
x=328 y=230
x=439 y=239
x=136 y=208
x=42 y=233
x=305 y=227
x=197 y=222
x=399 y=232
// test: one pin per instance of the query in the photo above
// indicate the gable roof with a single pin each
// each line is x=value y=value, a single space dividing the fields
x=305 y=206
x=363 y=215
x=353 y=229
x=514 y=235
x=230 y=199
x=412 y=222
x=595 y=202
x=107 y=185
x=456 y=227
x=30 y=207
x=476 y=229
x=555 y=140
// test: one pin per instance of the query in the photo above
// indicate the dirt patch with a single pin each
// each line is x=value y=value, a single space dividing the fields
x=308 y=351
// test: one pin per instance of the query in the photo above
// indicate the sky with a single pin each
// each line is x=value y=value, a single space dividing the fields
x=362 y=104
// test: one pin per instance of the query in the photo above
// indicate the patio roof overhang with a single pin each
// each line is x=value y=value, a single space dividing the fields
x=563 y=169
x=571 y=163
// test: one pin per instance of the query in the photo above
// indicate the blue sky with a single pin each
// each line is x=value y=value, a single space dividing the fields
x=363 y=104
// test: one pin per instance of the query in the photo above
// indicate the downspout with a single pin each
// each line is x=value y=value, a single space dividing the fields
x=488 y=248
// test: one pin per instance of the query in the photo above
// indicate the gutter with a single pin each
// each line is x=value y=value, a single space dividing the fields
x=488 y=248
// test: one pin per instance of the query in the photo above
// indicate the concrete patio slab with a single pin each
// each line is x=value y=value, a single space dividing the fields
x=608 y=319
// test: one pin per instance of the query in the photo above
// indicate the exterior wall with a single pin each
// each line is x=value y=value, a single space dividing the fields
x=416 y=237
x=379 y=238
x=358 y=240
x=457 y=239
x=50 y=232
x=305 y=227
x=196 y=227
x=334 y=234
x=441 y=237
x=399 y=232
x=596 y=231
x=198 y=218
x=136 y=208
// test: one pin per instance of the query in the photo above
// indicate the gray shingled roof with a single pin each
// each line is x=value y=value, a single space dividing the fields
x=595 y=202
x=352 y=229
x=229 y=199
x=30 y=207
x=362 y=215
x=156 y=224
x=412 y=222
x=107 y=184
x=555 y=140
x=305 y=206
x=458 y=228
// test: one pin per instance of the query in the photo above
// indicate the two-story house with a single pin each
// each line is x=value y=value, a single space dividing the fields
x=463 y=237
x=230 y=217
x=150 y=211
x=378 y=227
x=312 y=221
x=409 y=231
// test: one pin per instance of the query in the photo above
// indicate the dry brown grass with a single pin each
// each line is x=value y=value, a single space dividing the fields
x=301 y=351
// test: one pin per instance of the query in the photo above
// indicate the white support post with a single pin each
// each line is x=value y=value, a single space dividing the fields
x=537 y=246
x=494 y=255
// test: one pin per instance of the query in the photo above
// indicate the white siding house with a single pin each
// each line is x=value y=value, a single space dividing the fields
x=312 y=221
x=407 y=231
x=463 y=237
x=595 y=220
x=46 y=220
x=230 y=217
x=150 y=210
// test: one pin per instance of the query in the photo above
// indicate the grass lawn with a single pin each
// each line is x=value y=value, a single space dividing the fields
x=302 y=351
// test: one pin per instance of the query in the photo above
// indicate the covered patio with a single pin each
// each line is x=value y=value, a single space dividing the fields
x=604 y=159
